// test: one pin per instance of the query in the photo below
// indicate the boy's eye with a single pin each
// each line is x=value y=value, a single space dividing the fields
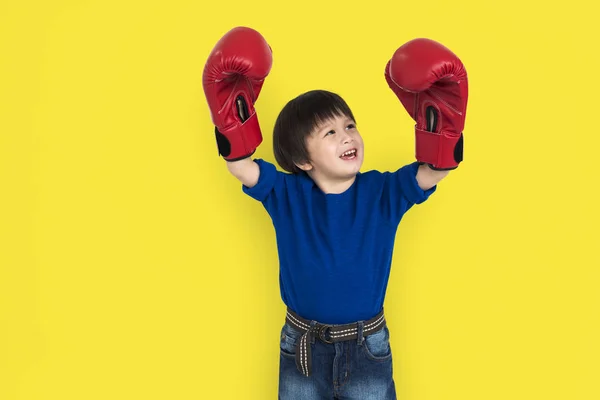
x=349 y=126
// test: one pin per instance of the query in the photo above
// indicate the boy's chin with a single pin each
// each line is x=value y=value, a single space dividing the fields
x=352 y=170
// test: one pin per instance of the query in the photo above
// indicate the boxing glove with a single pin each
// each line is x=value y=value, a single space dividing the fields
x=232 y=79
x=431 y=83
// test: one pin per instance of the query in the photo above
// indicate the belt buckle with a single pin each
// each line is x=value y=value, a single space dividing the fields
x=322 y=330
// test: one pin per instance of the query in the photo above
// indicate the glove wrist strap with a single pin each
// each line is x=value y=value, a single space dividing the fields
x=240 y=140
x=442 y=151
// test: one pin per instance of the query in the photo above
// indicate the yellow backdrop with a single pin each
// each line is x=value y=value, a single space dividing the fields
x=126 y=248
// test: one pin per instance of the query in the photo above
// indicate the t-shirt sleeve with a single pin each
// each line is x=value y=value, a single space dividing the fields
x=403 y=191
x=266 y=181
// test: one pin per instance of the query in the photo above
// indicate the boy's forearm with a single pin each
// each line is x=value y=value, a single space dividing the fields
x=246 y=170
x=235 y=167
x=428 y=178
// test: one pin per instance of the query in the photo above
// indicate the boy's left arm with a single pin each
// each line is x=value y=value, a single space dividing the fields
x=428 y=178
x=431 y=83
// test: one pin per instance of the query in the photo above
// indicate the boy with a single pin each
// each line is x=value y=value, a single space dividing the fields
x=335 y=226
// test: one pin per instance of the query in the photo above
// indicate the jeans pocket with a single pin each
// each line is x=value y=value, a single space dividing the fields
x=377 y=345
x=288 y=339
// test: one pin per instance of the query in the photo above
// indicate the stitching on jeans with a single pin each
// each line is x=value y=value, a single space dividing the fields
x=375 y=358
x=347 y=377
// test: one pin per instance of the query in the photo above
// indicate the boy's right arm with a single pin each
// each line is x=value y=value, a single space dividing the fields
x=246 y=170
x=233 y=77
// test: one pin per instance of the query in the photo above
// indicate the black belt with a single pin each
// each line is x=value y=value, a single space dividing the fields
x=327 y=334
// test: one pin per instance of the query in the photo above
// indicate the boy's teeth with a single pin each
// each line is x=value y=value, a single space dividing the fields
x=348 y=153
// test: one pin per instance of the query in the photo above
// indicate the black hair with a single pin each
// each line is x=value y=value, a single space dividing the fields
x=298 y=119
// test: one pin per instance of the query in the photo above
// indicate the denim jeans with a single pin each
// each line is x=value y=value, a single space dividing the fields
x=354 y=369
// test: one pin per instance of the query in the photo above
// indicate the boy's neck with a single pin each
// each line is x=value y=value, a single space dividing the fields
x=335 y=186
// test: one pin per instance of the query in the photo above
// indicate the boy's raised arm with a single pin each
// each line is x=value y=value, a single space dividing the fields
x=431 y=82
x=246 y=170
x=232 y=79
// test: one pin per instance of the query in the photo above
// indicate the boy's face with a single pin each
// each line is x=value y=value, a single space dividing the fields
x=328 y=145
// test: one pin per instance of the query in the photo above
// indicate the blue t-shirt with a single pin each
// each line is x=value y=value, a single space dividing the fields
x=335 y=250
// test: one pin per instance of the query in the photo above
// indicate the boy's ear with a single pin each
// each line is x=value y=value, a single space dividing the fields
x=305 y=166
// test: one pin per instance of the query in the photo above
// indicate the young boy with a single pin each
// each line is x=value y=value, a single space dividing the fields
x=335 y=226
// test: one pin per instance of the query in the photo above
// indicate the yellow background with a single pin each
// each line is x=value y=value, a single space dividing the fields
x=127 y=250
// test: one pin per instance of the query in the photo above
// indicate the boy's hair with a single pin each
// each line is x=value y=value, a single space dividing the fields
x=298 y=119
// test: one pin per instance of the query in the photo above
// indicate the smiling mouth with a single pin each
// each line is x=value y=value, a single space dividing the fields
x=349 y=155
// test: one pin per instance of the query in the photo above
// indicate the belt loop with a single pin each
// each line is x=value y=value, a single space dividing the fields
x=312 y=336
x=360 y=338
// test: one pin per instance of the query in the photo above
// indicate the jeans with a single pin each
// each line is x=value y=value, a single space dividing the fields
x=354 y=369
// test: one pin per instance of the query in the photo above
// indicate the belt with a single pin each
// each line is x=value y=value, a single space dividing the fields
x=327 y=334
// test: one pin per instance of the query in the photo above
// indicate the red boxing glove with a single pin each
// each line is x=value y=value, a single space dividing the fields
x=232 y=79
x=431 y=82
